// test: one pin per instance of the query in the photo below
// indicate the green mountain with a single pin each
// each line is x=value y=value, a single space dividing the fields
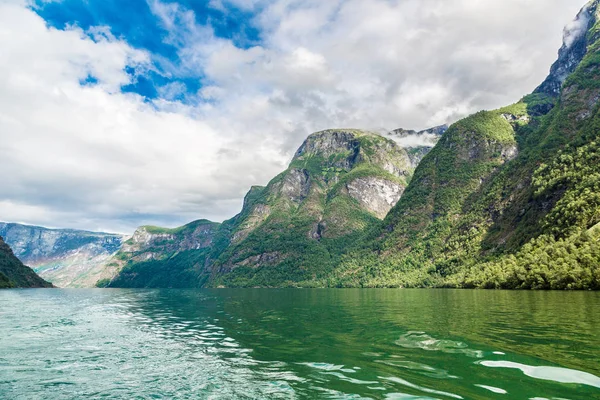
x=160 y=257
x=13 y=274
x=508 y=198
x=291 y=232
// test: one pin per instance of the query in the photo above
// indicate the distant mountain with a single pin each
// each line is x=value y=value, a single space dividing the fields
x=417 y=144
x=67 y=258
x=13 y=274
x=162 y=257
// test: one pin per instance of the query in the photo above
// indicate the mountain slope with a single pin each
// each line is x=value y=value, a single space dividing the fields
x=13 y=274
x=67 y=258
x=506 y=198
x=160 y=257
x=339 y=184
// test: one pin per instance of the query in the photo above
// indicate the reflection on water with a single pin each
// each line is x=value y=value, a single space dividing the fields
x=338 y=344
x=555 y=374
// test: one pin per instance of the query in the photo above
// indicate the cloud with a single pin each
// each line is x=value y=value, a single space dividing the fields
x=577 y=27
x=89 y=156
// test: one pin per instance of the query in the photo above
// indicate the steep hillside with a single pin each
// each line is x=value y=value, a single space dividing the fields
x=67 y=258
x=339 y=183
x=160 y=257
x=291 y=232
x=507 y=198
x=13 y=274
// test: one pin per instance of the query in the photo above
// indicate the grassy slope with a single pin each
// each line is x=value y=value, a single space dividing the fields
x=301 y=260
x=13 y=274
x=173 y=268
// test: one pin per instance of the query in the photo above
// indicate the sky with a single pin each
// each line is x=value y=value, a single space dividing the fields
x=116 y=114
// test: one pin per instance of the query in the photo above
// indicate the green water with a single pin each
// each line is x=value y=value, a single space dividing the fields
x=269 y=344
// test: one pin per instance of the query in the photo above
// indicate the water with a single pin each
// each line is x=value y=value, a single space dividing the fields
x=288 y=344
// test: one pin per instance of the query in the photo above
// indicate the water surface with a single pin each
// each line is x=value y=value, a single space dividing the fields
x=270 y=344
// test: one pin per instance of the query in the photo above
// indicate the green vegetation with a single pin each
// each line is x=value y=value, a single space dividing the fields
x=103 y=283
x=477 y=214
x=166 y=257
x=544 y=263
x=180 y=270
x=13 y=274
x=291 y=233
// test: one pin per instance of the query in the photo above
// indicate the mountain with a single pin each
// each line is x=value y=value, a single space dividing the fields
x=13 y=274
x=161 y=257
x=508 y=198
x=67 y=258
x=339 y=183
x=291 y=232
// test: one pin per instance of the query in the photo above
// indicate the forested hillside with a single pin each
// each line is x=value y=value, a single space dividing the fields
x=507 y=199
x=13 y=274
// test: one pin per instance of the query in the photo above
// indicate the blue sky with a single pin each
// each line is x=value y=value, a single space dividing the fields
x=115 y=114
x=135 y=22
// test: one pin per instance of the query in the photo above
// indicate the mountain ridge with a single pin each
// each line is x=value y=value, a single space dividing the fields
x=67 y=257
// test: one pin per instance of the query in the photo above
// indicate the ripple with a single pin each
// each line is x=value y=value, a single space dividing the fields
x=421 y=340
x=493 y=389
x=421 y=388
x=147 y=344
x=420 y=368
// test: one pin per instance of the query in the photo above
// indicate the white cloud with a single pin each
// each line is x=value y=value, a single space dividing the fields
x=577 y=27
x=92 y=157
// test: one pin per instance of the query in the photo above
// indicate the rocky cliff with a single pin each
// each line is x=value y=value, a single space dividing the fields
x=339 y=183
x=67 y=258
x=572 y=52
x=13 y=274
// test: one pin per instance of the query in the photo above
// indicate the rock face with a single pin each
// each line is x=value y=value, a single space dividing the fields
x=13 y=274
x=68 y=258
x=375 y=195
